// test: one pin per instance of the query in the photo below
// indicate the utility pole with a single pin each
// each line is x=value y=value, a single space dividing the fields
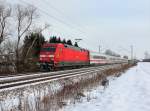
x=99 y=48
x=131 y=52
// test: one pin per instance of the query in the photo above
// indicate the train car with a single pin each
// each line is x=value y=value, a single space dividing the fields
x=102 y=59
x=117 y=60
x=56 y=55
x=98 y=59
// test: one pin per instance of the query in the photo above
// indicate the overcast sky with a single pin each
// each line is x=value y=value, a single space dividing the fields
x=113 y=24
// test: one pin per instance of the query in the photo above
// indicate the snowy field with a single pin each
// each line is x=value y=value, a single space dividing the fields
x=129 y=92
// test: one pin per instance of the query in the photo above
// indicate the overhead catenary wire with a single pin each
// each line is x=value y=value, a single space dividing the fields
x=59 y=21
x=61 y=13
x=53 y=17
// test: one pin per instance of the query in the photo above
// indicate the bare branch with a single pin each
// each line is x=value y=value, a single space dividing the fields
x=5 y=14
x=24 y=17
x=46 y=26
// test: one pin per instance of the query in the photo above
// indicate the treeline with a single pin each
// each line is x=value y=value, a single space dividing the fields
x=112 y=53
x=55 y=39
x=146 y=60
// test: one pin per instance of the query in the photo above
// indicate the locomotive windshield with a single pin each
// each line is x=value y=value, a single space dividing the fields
x=48 y=49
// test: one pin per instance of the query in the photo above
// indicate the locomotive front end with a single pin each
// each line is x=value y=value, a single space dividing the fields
x=46 y=58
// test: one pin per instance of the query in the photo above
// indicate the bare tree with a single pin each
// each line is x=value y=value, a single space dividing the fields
x=125 y=57
x=5 y=13
x=147 y=55
x=112 y=53
x=7 y=57
x=38 y=31
x=9 y=46
x=24 y=17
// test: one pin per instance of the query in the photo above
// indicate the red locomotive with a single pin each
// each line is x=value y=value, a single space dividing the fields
x=56 y=55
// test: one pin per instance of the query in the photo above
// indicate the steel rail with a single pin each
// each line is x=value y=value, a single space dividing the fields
x=18 y=78
x=52 y=77
x=9 y=84
x=42 y=76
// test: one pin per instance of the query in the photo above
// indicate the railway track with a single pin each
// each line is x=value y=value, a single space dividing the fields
x=34 y=79
x=26 y=74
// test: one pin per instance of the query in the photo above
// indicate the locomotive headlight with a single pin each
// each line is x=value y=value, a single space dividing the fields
x=42 y=56
x=51 y=56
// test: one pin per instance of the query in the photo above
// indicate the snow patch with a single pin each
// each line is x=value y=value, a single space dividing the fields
x=129 y=92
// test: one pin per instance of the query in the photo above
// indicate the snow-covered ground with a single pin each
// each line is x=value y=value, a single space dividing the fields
x=129 y=92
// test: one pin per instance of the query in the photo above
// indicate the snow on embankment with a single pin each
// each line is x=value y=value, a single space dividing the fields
x=56 y=94
x=129 y=92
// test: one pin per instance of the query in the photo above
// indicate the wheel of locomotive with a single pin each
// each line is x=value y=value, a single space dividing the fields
x=48 y=67
x=51 y=68
x=45 y=67
x=42 y=68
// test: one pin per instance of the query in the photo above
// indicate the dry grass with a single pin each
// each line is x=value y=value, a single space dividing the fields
x=75 y=90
